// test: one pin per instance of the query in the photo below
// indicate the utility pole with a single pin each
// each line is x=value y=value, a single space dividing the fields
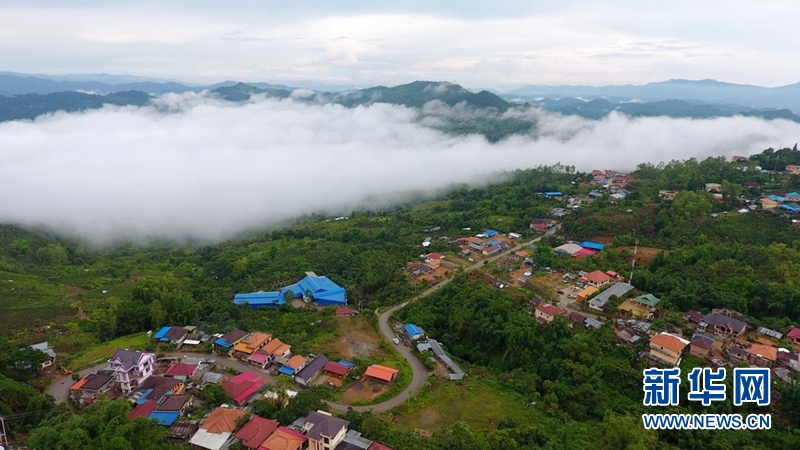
x=3 y=434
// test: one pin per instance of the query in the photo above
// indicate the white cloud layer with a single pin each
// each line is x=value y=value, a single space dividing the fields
x=196 y=167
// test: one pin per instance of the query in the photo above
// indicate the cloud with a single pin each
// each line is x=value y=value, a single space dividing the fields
x=194 y=167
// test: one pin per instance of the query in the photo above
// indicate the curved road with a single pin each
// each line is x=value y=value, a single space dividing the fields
x=59 y=388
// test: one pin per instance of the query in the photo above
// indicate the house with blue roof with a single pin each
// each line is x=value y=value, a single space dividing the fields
x=553 y=194
x=791 y=207
x=312 y=288
x=166 y=418
x=490 y=233
x=414 y=332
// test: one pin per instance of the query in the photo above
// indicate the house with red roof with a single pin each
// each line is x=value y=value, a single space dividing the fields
x=338 y=369
x=182 y=370
x=546 y=313
x=793 y=336
x=597 y=278
x=243 y=386
x=255 y=432
x=143 y=410
x=259 y=358
x=666 y=349
x=763 y=355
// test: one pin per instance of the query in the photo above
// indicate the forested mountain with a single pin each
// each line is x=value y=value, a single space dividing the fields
x=30 y=106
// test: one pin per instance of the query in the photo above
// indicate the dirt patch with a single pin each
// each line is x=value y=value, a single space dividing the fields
x=602 y=239
x=132 y=278
x=324 y=379
x=643 y=254
x=365 y=390
x=75 y=290
x=359 y=339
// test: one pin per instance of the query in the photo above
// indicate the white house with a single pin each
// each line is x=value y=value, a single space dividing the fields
x=131 y=368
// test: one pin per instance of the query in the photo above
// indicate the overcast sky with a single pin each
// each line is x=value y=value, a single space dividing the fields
x=479 y=44
x=211 y=169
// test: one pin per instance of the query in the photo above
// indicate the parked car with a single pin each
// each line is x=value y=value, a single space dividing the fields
x=560 y=292
x=396 y=341
x=572 y=296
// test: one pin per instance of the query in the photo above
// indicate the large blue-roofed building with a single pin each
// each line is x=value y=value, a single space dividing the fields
x=311 y=288
x=553 y=194
x=592 y=245
x=414 y=332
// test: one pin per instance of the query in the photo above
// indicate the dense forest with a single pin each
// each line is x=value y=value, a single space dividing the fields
x=585 y=388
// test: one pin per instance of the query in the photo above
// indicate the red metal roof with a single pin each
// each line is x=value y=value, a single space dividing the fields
x=182 y=369
x=143 y=410
x=256 y=431
x=381 y=372
x=336 y=368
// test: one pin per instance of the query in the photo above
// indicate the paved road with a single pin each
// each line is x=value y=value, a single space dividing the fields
x=59 y=388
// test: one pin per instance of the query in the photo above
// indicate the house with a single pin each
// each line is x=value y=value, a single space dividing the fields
x=792 y=169
x=438 y=351
x=255 y=432
x=324 y=432
x=414 y=332
x=693 y=316
x=91 y=386
x=418 y=269
x=616 y=290
x=216 y=432
x=181 y=431
x=666 y=349
x=490 y=233
x=738 y=158
x=763 y=355
x=311 y=370
x=713 y=187
x=143 y=410
x=293 y=365
x=596 y=278
x=252 y=343
x=701 y=346
x=182 y=370
x=313 y=287
x=596 y=194
x=131 y=368
x=173 y=335
x=338 y=369
x=725 y=325
x=170 y=409
x=488 y=251
x=558 y=212
x=546 y=313
x=228 y=340
x=576 y=317
x=770 y=333
x=241 y=387
x=553 y=194
x=591 y=322
x=767 y=203
x=260 y=358
x=156 y=388
x=382 y=373
x=793 y=336
x=212 y=378
x=278 y=351
x=586 y=293
x=542 y=224
x=737 y=353
x=627 y=337
x=789 y=359
x=44 y=347
x=284 y=439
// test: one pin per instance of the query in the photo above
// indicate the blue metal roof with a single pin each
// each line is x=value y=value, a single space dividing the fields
x=322 y=289
x=592 y=245
x=553 y=194
x=412 y=330
x=490 y=233
x=162 y=332
x=222 y=343
x=776 y=198
x=492 y=242
x=789 y=207
x=166 y=418
x=346 y=363
x=286 y=370
x=141 y=397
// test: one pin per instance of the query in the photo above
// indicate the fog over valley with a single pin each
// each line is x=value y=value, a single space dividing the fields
x=192 y=166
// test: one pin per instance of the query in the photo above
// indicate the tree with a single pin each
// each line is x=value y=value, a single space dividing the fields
x=20 y=247
x=215 y=394
x=52 y=254
x=691 y=205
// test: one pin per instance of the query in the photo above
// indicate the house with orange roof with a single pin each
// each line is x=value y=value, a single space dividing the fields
x=216 y=432
x=763 y=355
x=293 y=365
x=666 y=349
x=382 y=373
x=284 y=439
x=255 y=432
x=252 y=343
x=768 y=203
x=585 y=293
x=597 y=278
x=277 y=350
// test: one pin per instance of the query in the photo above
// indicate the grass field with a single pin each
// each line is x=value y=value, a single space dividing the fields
x=479 y=402
x=101 y=352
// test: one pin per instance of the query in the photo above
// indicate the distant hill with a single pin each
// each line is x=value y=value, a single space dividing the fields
x=30 y=106
x=13 y=84
x=600 y=107
x=695 y=91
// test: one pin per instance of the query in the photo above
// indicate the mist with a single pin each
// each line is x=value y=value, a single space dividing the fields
x=192 y=167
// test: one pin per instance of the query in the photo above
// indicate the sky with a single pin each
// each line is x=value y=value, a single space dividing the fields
x=499 y=45
x=191 y=166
